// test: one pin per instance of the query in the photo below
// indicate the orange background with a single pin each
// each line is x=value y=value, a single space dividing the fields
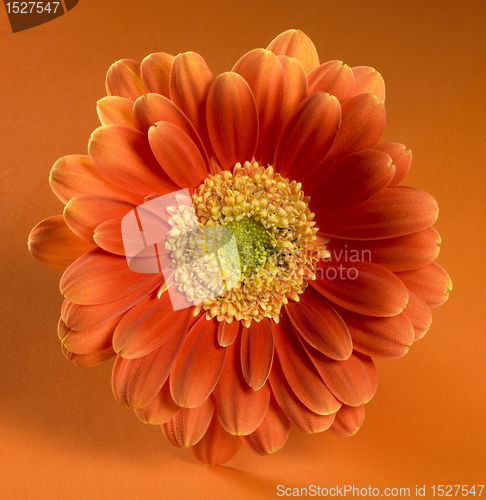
x=62 y=433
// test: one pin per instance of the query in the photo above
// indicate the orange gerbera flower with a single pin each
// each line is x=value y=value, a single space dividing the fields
x=284 y=152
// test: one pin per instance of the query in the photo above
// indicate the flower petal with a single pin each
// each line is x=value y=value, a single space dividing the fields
x=148 y=325
x=257 y=348
x=232 y=120
x=308 y=135
x=264 y=74
x=153 y=108
x=99 y=277
x=363 y=122
x=136 y=382
x=83 y=317
x=88 y=360
x=155 y=73
x=123 y=155
x=75 y=175
x=188 y=426
x=190 y=79
x=295 y=43
x=227 y=332
x=418 y=312
x=319 y=325
x=303 y=418
x=401 y=156
x=53 y=244
x=333 y=77
x=368 y=80
x=89 y=341
x=380 y=337
x=353 y=381
x=350 y=181
x=115 y=110
x=396 y=254
x=123 y=79
x=272 y=433
x=84 y=213
x=177 y=155
x=348 y=421
x=240 y=408
x=217 y=446
x=430 y=283
x=299 y=371
x=295 y=87
x=362 y=287
x=394 y=211
x=198 y=365
x=160 y=410
x=108 y=236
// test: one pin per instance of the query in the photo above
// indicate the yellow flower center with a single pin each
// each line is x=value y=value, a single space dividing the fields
x=275 y=238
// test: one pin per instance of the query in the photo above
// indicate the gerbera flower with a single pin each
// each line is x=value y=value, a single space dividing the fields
x=336 y=258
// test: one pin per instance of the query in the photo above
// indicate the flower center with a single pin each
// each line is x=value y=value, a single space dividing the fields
x=275 y=240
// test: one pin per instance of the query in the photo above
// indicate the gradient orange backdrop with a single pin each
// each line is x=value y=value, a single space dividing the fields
x=62 y=433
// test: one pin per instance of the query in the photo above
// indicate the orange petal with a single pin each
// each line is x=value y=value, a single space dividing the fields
x=350 y=181
x=430 y=283
x=53 y=244
x=99 y=277
x=264 y=74
x=298 y=413
x=353 y=381
x=380 y=337
x=232 y=119
x=396 y=254
x=394 y=211
x=257 y=353
x=84 y=213
x=82 y=317
x=155 y=73
x=123 y=155
x=362 y=287
x=295 y=87
x=123 y=79
x=368 y=80
x=190 y=79
x=160 y=410
x=217 y=446
x=308 y=135
x=108 y=236
x=418 y=312
x=135 y=382
x=363 y=122
x=299 y=371
x=240 y=408
x=148 y=325
x=401 y=157
x=153 y=108
x=348 y=421
x=320 y=325
x=272 y=433
x=90 y=341
x=88 y=360
x=227 y=332
x=75 y=175
x=177 y=155
x=188 y=425
x=333 y=77
x=198 y=365
x=115 y=110
x=295 y=43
